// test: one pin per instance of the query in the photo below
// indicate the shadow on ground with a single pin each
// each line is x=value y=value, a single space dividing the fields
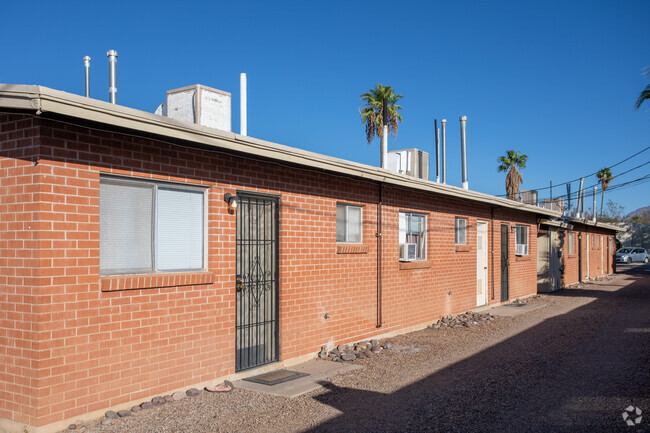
x=573 y=372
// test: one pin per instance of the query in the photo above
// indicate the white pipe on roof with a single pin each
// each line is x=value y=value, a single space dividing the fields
x=242 y=107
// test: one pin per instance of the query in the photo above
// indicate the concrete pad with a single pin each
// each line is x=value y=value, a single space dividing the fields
x=511 y=310
x=317 y=369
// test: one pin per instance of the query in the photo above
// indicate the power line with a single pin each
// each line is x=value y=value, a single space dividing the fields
x=591 y=174
x=589 y=191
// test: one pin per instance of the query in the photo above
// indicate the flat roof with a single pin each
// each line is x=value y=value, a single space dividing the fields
x=43 y=100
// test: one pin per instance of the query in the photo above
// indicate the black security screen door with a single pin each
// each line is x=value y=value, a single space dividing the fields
x=504 y=262
x=256 y=325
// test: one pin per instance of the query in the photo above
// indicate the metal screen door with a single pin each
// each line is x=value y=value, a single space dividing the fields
x=256 y=325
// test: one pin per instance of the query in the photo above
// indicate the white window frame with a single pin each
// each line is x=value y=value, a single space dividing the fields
x=420 y=255
x=460 y=229
x=155 y=184
x=521 y=249
x=571 y=249
x=347 y=223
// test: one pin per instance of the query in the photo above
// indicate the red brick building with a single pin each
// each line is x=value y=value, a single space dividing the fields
x=126 y=272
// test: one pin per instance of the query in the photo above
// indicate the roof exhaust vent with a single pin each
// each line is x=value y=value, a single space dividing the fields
x=199 y=104
x=87 y=69
x=112 y=76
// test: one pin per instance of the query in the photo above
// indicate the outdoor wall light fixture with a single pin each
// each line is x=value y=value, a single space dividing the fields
x=232 y=200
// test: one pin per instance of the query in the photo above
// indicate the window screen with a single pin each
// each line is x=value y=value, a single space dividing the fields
x=125 y=221
x=348 y=223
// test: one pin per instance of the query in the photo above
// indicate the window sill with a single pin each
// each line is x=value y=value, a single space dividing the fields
x=155 y=281
x=344 y=248
x=462 y=248
x=417 y=264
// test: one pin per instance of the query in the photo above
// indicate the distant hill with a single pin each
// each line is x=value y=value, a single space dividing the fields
x=639 y=211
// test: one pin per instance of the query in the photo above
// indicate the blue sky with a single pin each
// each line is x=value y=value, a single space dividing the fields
x=555 y=80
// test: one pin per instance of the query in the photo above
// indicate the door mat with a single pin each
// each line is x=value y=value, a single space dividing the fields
x=275 y=377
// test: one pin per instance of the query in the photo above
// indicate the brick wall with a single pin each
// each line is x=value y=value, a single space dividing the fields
x=74 y=342
x=596 y=253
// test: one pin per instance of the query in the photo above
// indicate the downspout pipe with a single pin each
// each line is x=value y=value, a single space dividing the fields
x=112 y=76
x=378 y=234
x=87 y=73
x=463 y=149
x=492 y=248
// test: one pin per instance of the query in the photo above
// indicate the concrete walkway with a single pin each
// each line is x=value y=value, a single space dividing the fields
x=318 y=371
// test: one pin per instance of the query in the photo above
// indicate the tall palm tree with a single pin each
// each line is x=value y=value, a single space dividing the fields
x=604 y=176
x=645 y=94
x=380 y=109
x=511 y=162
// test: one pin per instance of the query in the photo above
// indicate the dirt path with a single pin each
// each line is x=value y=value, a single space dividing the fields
x=572 y=365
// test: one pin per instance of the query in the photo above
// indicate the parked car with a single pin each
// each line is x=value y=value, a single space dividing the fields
x=632 y=254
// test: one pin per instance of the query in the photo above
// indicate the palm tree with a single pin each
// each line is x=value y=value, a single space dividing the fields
x=604 y=176
x=645 y=94
x=380 y=109
x=511 y=162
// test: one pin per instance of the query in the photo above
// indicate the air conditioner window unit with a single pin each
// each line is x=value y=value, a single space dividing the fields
x=521 y=249
x=407 y=252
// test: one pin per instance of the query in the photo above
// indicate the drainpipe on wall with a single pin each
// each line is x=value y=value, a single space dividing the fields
x=378 y=234
x=492 y=248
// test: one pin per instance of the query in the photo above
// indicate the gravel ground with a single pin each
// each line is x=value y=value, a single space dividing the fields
x=572 y=365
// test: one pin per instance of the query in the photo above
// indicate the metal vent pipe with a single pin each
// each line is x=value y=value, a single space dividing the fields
x=437 y=132
x=580 y=201
x=594 y=215
x=112 y=76
x=463 y=149
x=243 y=121
x=87 y=68
x=443 y=150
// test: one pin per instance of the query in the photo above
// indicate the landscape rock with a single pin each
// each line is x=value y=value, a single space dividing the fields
x=348 y=357
x=157 y=401
x=169 y=398
x=111 y=414
x=136 y=409
x=72 y=427
x=124 y=413
x=146 y=405
x=192 y=392
x=107 y=421
x=179 y=395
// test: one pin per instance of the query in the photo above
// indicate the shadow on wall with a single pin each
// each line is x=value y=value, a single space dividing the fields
x=578 y=382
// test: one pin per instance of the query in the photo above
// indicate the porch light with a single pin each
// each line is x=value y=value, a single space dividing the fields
x=232 y=200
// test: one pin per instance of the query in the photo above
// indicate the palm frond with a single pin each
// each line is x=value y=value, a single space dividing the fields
x=645 y=94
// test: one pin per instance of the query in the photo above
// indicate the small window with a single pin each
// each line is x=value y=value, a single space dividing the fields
x=521 y=240
x=148 y=227
x=571 y=243
x=348 y=223
x=461 y=231
x=412 y=236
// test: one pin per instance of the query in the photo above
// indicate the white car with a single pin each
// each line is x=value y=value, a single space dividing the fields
x=632 y=254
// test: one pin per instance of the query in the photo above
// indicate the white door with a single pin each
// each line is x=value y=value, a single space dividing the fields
x=602 y=249
x=481 y=263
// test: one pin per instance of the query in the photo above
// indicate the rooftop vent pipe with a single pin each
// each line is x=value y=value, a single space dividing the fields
x=443 y=150
x=463 y=149
x=594 y=208
x=437 y=132
x=87 y=68
x=112 y=76
x=580 y=202
x=242 y=106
